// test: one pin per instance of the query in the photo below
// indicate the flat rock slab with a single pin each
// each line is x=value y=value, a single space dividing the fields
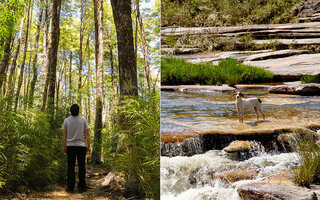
x=262 y=191
x=301 y=89
x=166 y=31
x=275 y=54
x=294 y=66
x=313 y=41
x=180 y=50
x=252 y=87
x=217 y=56
x=223 y=88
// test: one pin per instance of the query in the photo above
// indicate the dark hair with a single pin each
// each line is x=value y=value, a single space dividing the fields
x=74 y=109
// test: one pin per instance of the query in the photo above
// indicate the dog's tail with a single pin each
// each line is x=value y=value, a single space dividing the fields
x=259 y=100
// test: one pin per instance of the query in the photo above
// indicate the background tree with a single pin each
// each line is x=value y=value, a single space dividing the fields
x=77 y=52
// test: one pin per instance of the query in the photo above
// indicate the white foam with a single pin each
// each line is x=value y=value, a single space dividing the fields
x=193 y=177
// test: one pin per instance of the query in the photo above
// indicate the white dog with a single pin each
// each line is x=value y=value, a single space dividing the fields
x=245 y=104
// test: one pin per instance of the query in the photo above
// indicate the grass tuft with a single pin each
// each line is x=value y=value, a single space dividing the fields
x=309 y=151
x=176 y=71
x=310 y=78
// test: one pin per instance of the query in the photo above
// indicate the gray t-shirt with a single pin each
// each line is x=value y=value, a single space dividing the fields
x=75 y=126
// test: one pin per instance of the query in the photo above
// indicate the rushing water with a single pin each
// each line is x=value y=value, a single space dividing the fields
x=203 y=176
x=190 y=178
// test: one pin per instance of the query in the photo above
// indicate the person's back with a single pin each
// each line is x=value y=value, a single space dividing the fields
x=75 y=126
x=75 y=140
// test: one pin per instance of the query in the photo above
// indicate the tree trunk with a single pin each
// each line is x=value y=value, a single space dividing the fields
x=52 y=54
x=45 y=70
x=5 y=61
x=58 y=83
x=98 y=18
x=127 y=60
x=80 y=53
x=27 y=82
x=7 y=56
x=70 y=79
x=11 y=81
x=35 y=58
x=112 y=76
x=89 y=80
x=145 y=49
x=23 y=60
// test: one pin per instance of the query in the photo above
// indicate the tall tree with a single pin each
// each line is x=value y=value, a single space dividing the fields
x=5 y=61
x=11 y=80
x=80 y=50
x=98 y=19
x=70 y=77
x=44 y=88
x=24 y=59
x=127 y=61
x=89 y=78
x=145 y=49
x=35 y=57
x=52 y=53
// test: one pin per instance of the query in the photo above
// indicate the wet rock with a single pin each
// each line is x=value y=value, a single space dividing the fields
x=243 y=150
x=302 y=89
x=222 y=88
x=186 y=147
x=238 y=146
x=237 y=175
x=262 y=191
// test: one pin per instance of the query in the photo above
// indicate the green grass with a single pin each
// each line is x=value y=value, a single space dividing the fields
x=189 y=13
x=310 y=78
x=229 y=71
x=309 y=170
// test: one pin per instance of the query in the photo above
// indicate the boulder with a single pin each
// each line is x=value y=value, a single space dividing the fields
x=302 y=89
x=271 y=191
x=238 y=146
x=236 y=175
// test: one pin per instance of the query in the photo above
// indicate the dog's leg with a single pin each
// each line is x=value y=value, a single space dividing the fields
x=238 y=111
x=242 y=116
x=260 y=110
x=255 y=110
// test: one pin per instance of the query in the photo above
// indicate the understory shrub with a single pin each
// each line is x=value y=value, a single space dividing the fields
x=229 y=71
x=30 y=151
x=309 y=151
x=132 y=145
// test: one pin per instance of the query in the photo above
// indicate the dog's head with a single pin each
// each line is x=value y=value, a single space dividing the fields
x=238 y=95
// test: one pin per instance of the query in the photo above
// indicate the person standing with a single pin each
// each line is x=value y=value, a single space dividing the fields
x=76 y=142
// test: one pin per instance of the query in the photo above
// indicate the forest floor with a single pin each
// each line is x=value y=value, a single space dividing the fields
x=95 y=175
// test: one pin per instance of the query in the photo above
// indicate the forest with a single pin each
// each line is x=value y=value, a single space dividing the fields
x=102 y=55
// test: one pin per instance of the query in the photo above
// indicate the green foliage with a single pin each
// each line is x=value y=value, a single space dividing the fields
x=132 y=146
x=310 y=78
x=229 y=71
x=189 y=13
x=10 y=13
x=30 y=151
x=309 y=152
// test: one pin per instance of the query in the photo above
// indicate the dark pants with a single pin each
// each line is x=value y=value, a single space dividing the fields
x=74 y=152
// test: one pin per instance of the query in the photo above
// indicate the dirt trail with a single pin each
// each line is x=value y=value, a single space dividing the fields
x=94 y=177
